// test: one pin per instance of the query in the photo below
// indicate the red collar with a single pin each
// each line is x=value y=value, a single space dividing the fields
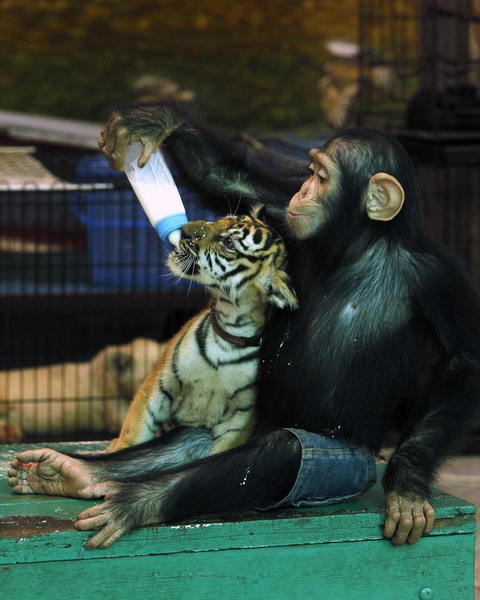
x=235 y=340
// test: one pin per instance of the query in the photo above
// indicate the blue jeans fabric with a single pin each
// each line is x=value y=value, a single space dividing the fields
x=331 y=470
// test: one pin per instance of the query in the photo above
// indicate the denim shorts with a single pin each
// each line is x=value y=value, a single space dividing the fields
x=331 y=470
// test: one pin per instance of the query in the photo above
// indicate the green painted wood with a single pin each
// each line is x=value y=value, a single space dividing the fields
x=28 y=520
x=329 y=552
x=357 y=571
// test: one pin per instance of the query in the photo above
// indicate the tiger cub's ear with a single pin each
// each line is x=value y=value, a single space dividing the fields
x=280 y=292
x=258 y=212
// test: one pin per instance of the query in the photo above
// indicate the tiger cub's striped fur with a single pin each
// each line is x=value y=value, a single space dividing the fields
x=206 y=377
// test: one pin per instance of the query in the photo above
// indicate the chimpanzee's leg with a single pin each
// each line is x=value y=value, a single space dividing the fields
x=255 y=475
x=177 y=447
x=45 y=471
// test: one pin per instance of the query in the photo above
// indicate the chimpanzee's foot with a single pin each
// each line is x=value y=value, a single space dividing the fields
x=106 y=518
x=100 y=517
x=46 y=471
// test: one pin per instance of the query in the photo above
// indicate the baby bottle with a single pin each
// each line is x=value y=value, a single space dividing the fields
x=155 y=188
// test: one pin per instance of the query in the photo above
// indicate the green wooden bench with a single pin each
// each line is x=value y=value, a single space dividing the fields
x=332 y=553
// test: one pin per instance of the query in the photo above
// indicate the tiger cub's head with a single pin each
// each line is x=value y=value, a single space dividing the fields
x=235 y=256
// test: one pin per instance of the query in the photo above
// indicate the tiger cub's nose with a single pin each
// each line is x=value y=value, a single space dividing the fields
x=194 y=231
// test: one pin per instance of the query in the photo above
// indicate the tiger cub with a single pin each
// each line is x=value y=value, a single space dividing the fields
x=206 y=376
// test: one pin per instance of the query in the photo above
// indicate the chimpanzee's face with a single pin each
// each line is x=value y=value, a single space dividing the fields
x=309 y=208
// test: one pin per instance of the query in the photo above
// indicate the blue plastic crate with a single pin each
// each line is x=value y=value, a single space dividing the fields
x=125 y=251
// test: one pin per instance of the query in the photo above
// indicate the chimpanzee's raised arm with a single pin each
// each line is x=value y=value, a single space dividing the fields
x=229 y=171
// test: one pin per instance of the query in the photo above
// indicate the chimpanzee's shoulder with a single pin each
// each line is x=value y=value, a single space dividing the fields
x=444 y=291
x=434 y=260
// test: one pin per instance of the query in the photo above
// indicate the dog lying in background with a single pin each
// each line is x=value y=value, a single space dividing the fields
x=72 y=397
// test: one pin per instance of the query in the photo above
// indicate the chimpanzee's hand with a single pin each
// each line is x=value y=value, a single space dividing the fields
x=115 y=138
x=408 y=517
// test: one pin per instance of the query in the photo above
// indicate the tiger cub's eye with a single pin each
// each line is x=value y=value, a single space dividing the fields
x=228 y=243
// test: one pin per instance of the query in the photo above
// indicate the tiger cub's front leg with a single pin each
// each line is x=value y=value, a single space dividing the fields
x=234 y=430
x=149 y=409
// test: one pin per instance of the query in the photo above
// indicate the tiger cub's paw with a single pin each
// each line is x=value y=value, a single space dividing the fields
x=116 y=444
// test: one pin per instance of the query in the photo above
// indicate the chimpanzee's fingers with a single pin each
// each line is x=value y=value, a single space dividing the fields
x=106 y=536
x=93 y=517
x=114 y=141
x=149 y=148
x=106 y=141
x=418 y=523
x=393 y=516
x=403 y=530
x=408 y=518
x=429 y=513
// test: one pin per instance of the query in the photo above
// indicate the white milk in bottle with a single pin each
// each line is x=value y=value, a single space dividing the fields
x=156 y=190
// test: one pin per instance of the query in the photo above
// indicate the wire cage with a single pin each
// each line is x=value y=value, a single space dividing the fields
x=420 y=65
x=86 y=298
x=420 y=79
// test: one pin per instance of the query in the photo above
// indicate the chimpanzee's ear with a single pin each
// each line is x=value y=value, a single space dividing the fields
x=385 y=197
x=258 y=212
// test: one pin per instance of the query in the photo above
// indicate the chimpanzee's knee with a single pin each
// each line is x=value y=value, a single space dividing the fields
x=284 y=444
x=279 y=455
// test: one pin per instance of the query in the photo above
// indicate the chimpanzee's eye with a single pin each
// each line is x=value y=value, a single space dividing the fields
x=322 y=175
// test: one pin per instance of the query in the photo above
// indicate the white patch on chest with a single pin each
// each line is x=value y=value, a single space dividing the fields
x=348 y=312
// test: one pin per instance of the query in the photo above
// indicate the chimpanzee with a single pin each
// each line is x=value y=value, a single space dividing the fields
x=386 y=317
